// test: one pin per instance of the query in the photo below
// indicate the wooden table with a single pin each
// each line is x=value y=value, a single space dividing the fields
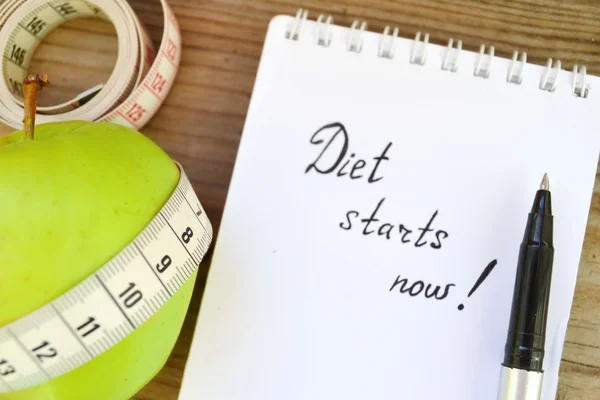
x=201 y=122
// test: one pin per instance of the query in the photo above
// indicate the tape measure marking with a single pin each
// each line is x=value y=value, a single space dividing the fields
x=107 y=306
x=137 y=86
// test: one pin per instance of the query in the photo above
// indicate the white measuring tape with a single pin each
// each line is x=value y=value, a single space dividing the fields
x=137 y=86
x=108 y=305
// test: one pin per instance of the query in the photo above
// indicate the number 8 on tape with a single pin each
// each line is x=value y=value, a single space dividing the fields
x=110 y=304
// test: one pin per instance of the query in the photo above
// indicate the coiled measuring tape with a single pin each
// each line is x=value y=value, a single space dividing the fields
x=107 y=306
x=137 y=86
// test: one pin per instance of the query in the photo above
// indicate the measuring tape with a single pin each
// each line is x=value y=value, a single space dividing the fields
x=110 y=304
x=137 y=86
x=102 y=310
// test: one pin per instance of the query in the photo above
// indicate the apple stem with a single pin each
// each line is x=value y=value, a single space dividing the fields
x=32 y=84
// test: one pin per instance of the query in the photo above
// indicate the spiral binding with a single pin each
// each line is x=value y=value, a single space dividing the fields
x=450 y=62
x=355 y=39
x=387 y=46
x=515 y=72
x=324 y=40
x=385 y=50
x=482 y=68
x=296 y=29
x=418 y=55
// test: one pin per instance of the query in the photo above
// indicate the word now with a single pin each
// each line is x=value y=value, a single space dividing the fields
x=421 y=288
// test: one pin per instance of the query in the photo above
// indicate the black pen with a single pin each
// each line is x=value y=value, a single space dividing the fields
x=522 y=372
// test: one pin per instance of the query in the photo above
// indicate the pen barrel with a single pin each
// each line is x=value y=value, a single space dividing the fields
x=527 y=328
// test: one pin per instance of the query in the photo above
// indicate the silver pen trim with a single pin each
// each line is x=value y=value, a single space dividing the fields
x=519 y=384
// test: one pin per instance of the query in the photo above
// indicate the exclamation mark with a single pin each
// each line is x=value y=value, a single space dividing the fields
x=482 y=278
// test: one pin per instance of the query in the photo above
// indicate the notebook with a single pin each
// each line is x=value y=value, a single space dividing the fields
x=376 y=179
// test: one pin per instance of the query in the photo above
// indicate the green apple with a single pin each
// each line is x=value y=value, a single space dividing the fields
x=70 y=200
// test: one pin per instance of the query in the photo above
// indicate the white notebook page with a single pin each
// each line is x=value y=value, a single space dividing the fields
x=300 y=303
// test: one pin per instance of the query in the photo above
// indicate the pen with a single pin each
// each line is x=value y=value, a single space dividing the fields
x=522 y=373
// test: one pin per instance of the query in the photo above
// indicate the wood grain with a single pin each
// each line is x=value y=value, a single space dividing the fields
x=201 y=122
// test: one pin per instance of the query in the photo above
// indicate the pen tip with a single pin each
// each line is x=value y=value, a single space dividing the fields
x=545 y=185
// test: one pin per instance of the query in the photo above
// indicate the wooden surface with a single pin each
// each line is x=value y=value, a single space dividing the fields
x=201 y=122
